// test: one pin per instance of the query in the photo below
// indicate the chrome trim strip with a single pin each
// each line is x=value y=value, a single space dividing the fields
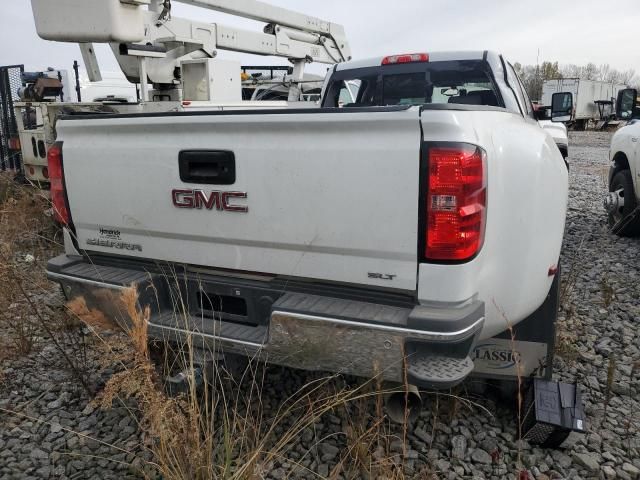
x=207 y=335
x=408 y=332
x=405 y=332
x=59 y=277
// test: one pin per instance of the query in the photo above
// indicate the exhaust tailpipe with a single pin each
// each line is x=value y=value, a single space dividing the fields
x=404 y=407
x=183 y=382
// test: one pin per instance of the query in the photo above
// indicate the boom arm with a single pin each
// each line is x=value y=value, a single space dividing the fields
x=263 y=12
x=135 y=32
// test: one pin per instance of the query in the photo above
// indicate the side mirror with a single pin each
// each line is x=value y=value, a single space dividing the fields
x=542 y=113
x=561 y=107
x=626 y=104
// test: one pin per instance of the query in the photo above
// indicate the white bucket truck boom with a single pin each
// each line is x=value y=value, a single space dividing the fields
x=151 y=45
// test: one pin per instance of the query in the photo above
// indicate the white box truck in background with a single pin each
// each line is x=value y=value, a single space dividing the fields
x=585 y=95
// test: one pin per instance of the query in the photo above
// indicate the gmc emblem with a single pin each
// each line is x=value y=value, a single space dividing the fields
x=221 y=201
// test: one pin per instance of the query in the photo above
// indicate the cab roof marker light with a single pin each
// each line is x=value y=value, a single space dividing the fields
x=405 y=58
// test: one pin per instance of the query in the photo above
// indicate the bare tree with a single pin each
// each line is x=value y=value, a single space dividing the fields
x=605 y=74
x=570 y=71
x=589 y=72
x=533 y=77
x=628 y=77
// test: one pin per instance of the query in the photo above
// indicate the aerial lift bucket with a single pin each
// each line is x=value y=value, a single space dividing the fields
x=100 y=21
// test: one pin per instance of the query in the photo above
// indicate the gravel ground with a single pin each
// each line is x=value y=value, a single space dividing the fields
x=60 y=435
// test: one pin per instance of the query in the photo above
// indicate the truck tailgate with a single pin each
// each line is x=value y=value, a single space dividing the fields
x=330 y=195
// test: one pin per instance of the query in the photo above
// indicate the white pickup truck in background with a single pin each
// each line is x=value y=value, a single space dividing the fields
x=558 y=132
x=622 y=202
x=419 y=222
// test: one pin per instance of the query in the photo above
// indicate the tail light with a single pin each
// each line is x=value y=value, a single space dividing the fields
x=405 y=58
x=14 y=143
x=56 y=178
x=456 y=202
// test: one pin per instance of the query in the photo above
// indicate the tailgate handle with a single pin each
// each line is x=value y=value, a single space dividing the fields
x=207 y=167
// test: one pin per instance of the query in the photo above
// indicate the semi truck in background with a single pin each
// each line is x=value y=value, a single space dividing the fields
x=593 y=100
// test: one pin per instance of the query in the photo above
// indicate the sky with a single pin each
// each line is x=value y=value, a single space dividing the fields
x=567 y=31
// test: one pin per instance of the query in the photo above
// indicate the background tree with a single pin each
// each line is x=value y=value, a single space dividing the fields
x=534 y=76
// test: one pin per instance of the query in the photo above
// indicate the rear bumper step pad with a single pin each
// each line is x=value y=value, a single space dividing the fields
x=437 y=371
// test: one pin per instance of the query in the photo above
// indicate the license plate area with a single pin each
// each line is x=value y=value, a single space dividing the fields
x=215 y=299
x=218 y=306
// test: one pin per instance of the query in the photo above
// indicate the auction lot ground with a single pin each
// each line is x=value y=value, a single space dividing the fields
x=53 y=431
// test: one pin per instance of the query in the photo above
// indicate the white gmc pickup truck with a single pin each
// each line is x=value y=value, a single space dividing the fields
x=417 y=226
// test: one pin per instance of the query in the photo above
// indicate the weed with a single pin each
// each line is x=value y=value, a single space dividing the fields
x=611 y=372
x=21 y=218
x=566 y=334
x=27 y=238
x=519 y=386
x=607 y=291
x=219 y=429
x=632 y=424
x=566 y=345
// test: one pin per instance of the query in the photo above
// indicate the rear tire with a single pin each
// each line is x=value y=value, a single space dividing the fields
x=625 y=220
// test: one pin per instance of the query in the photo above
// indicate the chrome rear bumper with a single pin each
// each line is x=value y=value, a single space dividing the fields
x=300 y=330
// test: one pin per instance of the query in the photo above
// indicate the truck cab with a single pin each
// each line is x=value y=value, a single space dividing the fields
x=351 y=85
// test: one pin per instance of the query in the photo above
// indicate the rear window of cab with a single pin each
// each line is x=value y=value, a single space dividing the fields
x=467 y=82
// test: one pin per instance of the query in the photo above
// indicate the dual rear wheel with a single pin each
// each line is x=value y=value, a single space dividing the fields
x=622 y=206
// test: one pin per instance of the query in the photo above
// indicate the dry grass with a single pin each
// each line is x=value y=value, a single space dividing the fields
x=92 y=318
x=26 y=240
x=218 y=430
x=566 y=345
x=611 y=372
x=519 y=388
x=607 y=291
x=568 y=329
x=221 y=428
